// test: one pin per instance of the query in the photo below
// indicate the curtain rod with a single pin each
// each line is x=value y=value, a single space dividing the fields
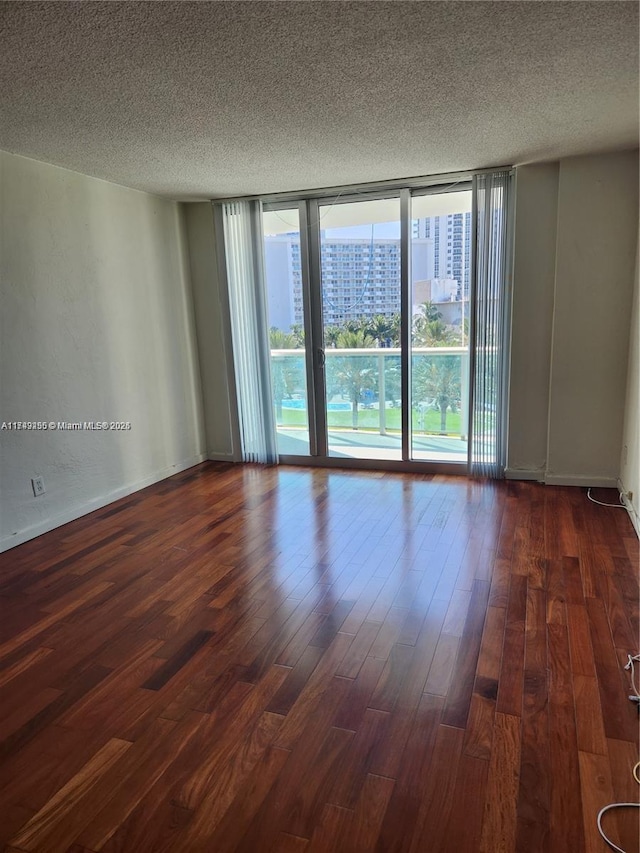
x=373 y=186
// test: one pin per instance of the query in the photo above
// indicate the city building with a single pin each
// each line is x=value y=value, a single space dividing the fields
x=451 y=239
x=361 y=277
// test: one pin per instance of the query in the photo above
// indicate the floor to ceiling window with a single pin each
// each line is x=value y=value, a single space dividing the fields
x=440 y=289
x=285 y=314
x=358 y=325
x=361 y=312
x=383 y=347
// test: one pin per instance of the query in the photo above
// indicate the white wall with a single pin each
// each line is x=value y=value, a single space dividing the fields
x=596 y=244
x=216 y=391
x=630 y=459
x=532 y=317
x=96 y=326
x=575 y=241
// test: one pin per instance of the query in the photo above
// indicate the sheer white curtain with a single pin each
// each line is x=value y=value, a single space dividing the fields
x=242 y=225
x=490 y=323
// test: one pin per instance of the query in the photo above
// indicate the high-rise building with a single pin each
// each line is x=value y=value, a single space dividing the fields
x=361 y=276
x=451 y=240
x=282 y=266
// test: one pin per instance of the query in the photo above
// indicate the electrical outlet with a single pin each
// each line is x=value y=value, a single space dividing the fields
x=37 y=484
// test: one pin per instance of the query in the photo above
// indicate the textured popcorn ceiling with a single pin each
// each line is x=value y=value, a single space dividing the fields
x=193 y=100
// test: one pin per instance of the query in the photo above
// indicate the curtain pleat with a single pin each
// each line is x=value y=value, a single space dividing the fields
x=490 y=326
x=242 y=222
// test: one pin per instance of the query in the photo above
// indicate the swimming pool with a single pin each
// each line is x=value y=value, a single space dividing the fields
x=302 y=404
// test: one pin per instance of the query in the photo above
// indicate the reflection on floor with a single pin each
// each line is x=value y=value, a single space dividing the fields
x=354 y=444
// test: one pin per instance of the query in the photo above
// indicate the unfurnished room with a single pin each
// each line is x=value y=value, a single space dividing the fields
x=319 y=407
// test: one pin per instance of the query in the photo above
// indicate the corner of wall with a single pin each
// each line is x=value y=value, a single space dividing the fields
x=629 y=482
x=596 y=241
x=93 y=276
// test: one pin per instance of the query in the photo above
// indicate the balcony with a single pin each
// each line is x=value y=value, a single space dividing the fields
x=364 y=403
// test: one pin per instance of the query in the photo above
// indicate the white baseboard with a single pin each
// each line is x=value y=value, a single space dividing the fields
x=220 y=457
x=72 y=513
x=524 y=474
x=633 y=515
x=580 y=480
x=543 y=476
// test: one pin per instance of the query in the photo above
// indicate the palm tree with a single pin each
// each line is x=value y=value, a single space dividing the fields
x=355 y=326
x=354 y=374
x=429 y=330
x=380 y=328
x=286 y=372
x=331 y=335
x=298 y=333
x=438 y=378
x=429 y=311
x=460 y=333
x=282 y=340
x=395 y=330
x=354 y=339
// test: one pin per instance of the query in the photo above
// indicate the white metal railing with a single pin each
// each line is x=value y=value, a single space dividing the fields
x=383 y=357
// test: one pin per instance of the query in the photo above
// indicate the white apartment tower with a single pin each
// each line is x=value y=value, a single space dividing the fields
x=361 y=276
x=451 y=240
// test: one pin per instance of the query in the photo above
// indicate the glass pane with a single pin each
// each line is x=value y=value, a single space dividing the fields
x=440 y=278
x=360 y=268
x=286 y=329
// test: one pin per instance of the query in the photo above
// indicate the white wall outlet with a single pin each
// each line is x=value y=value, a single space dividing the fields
x=37 y=484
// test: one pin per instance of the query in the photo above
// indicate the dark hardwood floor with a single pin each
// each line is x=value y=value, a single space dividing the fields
x=246 y=659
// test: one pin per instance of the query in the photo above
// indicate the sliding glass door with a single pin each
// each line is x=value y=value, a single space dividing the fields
x=372 y=328
x=368 y=313
x=283 y=268
x=361 y=315
x=440 y=291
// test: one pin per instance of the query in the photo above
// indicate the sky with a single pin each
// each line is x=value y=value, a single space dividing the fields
x=380 y=229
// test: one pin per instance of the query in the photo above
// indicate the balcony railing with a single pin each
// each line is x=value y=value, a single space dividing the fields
x=364 y=389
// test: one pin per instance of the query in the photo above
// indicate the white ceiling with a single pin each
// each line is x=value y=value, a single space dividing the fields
x=193 y=100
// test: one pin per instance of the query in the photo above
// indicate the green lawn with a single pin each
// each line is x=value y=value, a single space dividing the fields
x=368 y=420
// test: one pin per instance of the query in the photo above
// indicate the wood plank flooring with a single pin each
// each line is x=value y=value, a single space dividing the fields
x=286 y=660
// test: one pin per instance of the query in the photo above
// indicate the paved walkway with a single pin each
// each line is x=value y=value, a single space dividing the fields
x=358 y=444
